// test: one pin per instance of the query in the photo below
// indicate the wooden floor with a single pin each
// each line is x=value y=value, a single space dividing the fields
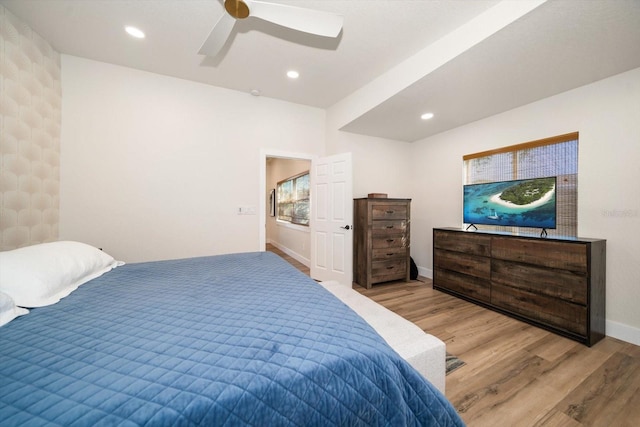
x=517 y=374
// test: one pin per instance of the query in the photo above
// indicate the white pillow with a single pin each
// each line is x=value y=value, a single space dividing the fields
x=8 y=309
x=39 y=275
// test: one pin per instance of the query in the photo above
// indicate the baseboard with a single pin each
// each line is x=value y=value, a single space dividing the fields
x=304 y=261
x=623 y=332
x=425 y=272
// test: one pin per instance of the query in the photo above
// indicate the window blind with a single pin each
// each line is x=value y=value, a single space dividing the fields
x=556 y=156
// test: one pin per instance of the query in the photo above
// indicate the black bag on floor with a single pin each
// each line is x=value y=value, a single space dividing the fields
x=413 y=270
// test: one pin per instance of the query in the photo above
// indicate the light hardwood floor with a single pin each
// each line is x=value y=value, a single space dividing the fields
x=517 y=374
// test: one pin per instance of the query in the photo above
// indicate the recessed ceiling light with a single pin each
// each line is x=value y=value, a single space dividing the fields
x=293 y=74
x=134 y=32
x=426 y=116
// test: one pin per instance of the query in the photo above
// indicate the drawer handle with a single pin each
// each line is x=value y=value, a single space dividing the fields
x=391 y=240
x=390 y=268
x=390 y=253
x=389 y=226
x=390 y=212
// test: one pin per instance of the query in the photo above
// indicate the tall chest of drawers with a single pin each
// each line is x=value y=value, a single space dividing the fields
x=381 y=247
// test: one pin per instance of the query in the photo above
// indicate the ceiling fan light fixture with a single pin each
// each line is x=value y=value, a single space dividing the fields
x=237 y=8
x=319 y=23
x=134 y=32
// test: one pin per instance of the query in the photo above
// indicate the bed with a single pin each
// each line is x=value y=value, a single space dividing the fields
x=238 y=339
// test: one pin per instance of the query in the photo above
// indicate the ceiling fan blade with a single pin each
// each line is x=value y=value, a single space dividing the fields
x=311 y=21
x=218 y=36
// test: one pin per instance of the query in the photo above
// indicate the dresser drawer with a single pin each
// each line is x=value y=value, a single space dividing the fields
x=468 y=243
x=471 y=265
x=563 y=284
x=542 y=308
x=389 y=211
x=385 y=228
x=469 y=286
x=389 y=253
x=562 y=255
x=393 y=241
x=383 y=271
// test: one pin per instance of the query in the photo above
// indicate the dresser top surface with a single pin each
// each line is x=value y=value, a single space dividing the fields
x=523 y=236
x=382 y=199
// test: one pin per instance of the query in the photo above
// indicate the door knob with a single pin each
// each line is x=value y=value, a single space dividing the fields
x=346 y=227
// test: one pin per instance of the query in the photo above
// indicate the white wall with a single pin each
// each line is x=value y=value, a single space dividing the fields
x=379 y=165
x=295 y=240
x=154 y=167
x=607 y=116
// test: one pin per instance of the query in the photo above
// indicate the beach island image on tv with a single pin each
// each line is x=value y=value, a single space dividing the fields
x=520 y=203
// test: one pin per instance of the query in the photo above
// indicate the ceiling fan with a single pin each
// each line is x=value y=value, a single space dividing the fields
x=311 y=21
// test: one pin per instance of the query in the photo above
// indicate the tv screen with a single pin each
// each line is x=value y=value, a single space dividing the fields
x=518 y=203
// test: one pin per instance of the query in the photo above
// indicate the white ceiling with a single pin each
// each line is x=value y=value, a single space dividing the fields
x=560 y=45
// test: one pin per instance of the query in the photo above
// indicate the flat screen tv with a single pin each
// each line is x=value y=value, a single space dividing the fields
x=518 y=203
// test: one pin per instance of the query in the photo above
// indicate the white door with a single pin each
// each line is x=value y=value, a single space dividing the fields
x=332 y=219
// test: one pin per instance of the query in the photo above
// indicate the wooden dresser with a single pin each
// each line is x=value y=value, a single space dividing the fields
x=381 y=245
x=557 y=284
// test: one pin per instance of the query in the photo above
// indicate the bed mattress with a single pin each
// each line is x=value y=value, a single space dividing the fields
x=240 y=339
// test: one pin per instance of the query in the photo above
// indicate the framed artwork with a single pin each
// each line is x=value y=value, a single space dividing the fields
x=272 y=202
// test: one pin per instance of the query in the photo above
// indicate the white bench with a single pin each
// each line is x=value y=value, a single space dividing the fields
x=426 y=353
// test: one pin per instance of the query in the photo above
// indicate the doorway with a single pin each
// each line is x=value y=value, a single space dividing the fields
x=292 y=239
x=331 y=198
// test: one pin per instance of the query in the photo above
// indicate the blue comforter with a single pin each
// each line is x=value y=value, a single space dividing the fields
x=242 y=339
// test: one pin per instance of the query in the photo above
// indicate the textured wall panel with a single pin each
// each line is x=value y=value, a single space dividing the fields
x=30 y=121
